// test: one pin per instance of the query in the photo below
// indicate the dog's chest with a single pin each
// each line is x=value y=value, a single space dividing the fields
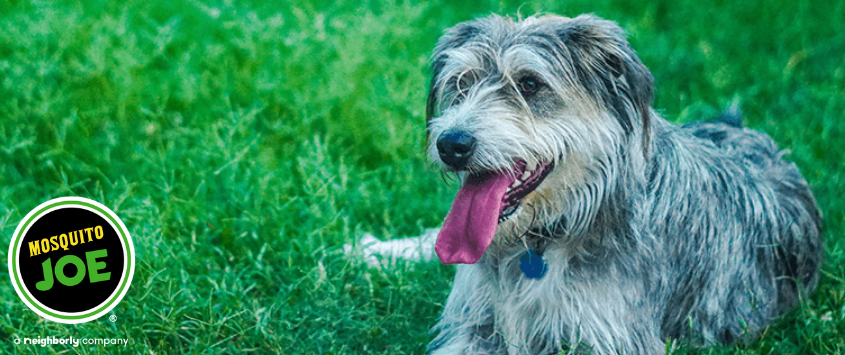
x=570 y=302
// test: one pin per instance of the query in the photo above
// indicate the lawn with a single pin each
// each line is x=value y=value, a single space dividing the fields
x=244 y=142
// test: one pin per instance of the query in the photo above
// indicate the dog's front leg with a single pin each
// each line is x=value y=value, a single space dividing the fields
x=466 y=326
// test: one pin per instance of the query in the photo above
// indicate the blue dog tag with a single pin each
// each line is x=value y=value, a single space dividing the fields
x=533 y=265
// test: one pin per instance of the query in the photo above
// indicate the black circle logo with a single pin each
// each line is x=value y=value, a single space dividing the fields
x=71 y=260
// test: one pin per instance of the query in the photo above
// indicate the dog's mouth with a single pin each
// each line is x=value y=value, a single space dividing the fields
x=483 y=201
x=527 y=181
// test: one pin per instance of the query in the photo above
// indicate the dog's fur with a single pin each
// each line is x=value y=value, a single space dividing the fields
x=651 y=231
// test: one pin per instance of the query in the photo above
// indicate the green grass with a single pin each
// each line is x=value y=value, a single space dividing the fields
x=243 y=143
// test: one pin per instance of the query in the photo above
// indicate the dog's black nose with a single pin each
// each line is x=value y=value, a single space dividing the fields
x=455 y=148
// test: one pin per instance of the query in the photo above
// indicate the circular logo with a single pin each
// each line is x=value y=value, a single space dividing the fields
x=71 y=260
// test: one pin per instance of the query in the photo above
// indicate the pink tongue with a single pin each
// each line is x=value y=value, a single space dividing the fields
x=470 y=226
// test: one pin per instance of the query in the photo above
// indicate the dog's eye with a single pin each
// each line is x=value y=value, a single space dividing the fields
x=464 y=83
x=528 y=86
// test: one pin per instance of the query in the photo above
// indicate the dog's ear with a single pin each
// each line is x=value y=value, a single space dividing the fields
x=602 y=51
x=455 y=37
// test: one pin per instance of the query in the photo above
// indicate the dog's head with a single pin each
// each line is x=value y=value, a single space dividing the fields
x=535 y=113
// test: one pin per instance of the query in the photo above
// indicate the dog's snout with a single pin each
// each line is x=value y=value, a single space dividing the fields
x=455 y=148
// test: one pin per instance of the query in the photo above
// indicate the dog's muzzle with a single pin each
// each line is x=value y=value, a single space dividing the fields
x=455 y=148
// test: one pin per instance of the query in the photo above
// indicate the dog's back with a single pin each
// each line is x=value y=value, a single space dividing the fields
x=746 y=228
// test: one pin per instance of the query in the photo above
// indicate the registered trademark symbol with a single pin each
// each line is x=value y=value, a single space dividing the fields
x=113 y=318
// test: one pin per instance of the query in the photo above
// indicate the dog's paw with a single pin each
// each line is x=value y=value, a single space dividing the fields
x=364 y=249
x=377 y=253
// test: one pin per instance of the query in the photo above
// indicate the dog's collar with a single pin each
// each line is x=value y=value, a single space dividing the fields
x=533 y=266
x=531 y=263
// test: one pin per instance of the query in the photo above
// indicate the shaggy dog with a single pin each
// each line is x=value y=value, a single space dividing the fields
x=585 y=221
